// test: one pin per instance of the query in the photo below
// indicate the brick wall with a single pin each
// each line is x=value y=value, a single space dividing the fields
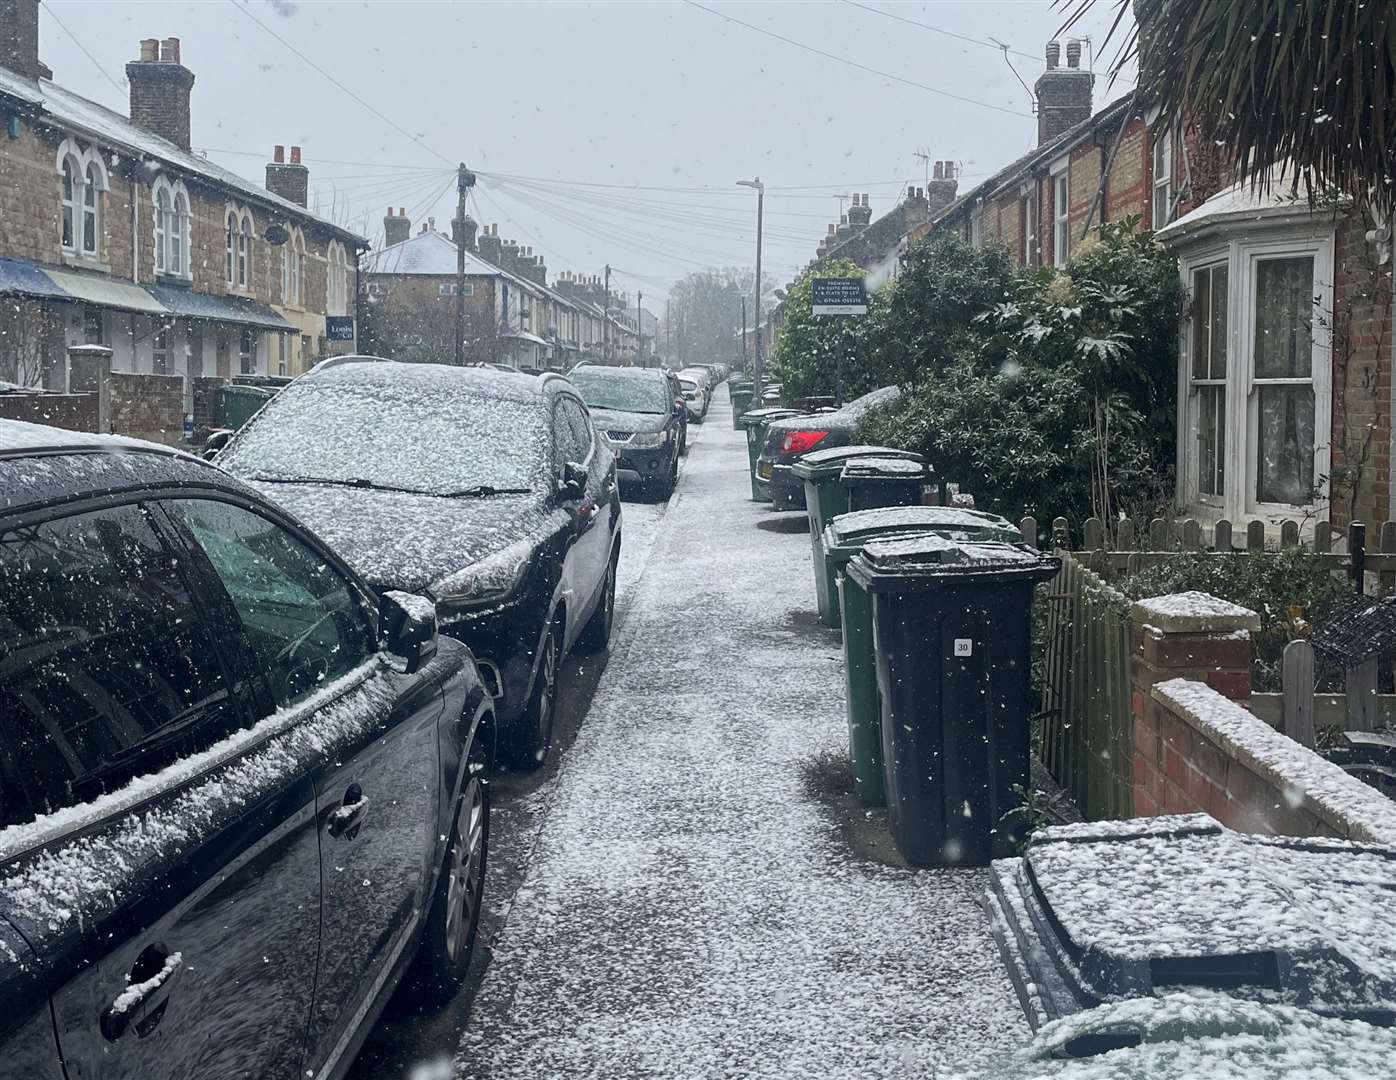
x=148 y=407
x=75 y=412
x=1198 y=749
x=1362 y=356
x=1125 y=193
x=205 y=392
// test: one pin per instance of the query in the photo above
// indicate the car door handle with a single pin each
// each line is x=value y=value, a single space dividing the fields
x=143 y=1002
x=346 y=819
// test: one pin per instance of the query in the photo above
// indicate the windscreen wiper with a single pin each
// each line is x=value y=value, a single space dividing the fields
x=484 y=490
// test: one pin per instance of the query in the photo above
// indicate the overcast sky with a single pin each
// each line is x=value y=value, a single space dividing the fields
x=593 y=103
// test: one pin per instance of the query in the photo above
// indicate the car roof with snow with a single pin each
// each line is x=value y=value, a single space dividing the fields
x=41 y=464
x=484 y=381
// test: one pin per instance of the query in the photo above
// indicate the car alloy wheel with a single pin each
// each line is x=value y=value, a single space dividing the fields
x=465 y=886
x=547 y=696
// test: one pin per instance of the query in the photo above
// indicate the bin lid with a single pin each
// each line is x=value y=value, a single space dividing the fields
x=830 y=461
x=1107 y=911
x=924 y=560
x=953 y=522
x=882 y=467
x=753 y=417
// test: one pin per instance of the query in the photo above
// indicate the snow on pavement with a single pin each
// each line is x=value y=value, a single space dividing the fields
x=688 y=912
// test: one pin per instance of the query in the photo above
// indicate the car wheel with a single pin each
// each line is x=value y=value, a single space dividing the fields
x=449 y=937
x=532 y=735
x=597 y=634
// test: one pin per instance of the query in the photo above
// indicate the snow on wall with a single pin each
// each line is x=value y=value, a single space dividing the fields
x=1355 y=809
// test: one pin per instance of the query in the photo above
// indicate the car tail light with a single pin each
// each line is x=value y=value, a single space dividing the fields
x=798 y=442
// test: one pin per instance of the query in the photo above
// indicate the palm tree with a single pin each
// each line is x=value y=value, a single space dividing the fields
x=1304 y=87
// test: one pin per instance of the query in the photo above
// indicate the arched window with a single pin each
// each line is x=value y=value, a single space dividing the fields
x=244 y=249
x=232 y=247
x=164 y=211
x=72 y=196
x=337 y=280
x=179 y=235
x=297 y=246
x=89 y=209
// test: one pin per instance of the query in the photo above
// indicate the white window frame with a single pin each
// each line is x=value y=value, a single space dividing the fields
x=246 y=234
x=70 y=193
x=231 y=230
x=88 y=181
x=1029 y=217
x=1061 y=216
x=91 y=207
x=1190 y=405
x=162 y=206
x=976 y=227
x=1242 y=255
x=1161 y=174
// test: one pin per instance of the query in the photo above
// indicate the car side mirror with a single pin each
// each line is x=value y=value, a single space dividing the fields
x=679 y=407
x=216 y=441
x=573 y=482
x=407 y=627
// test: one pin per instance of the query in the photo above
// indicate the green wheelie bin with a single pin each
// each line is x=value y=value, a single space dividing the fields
x=825 y=497
x=756 y=421
x=952 y=630
x=844 y=538
x=741 y=394
x=883 y=481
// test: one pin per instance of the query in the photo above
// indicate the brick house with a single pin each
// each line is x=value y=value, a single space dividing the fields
x=1284 y=372
x=113 y=232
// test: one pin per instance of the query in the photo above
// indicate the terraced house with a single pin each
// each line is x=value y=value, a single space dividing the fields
x=113 y=232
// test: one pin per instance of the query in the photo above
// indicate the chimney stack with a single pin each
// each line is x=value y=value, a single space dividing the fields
x=942 y=189
x=291 y=182
x=1063 y=93
x=396 y=227
x=860 y=213
x=19 y=39
x=160 y=87
x=490 y=246
x=463 y=232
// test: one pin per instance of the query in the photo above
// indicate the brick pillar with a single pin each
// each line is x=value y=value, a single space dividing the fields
x=1183 y=636
x=89 y=372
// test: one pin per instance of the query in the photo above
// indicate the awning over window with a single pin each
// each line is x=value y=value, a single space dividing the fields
x=188 y=304
x=105 y=292
x=19 y=277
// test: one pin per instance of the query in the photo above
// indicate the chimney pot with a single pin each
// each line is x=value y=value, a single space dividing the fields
x=1073 y=53
x=169 y=51
x=938 y=173
x=278 y=154
x=911 y=193
x=295 y=155
x=150 y=49
x=401 y=211
x=1054 y=54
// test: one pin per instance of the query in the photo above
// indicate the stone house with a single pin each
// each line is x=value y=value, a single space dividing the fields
x=113 y=232
x=1284 y=369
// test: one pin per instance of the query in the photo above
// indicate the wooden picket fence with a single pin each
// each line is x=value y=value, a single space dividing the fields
x=1085 y=732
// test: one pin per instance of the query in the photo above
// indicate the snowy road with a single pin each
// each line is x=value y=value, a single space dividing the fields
x=686 y=911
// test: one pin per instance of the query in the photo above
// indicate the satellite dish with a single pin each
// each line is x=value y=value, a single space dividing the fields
x=276 y=235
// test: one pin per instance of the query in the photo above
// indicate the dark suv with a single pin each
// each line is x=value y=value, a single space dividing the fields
x=238 y=790
x=637 y=410
x=488 y=491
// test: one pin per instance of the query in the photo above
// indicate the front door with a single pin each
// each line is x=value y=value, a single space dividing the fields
x=179 y=917
x=378 y=782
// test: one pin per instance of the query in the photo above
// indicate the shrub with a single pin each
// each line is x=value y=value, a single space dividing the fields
x=828 y=354
x=1289 y=589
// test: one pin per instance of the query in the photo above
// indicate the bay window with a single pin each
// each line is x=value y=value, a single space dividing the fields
x=1255 y=374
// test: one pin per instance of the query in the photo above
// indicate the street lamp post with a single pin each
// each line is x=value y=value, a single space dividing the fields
x=756 y=367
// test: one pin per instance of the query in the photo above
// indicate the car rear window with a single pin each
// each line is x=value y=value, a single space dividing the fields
x=106 y=670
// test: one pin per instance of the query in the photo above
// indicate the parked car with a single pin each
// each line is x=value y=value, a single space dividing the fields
x=788 y=439
x=695 y=397
x=241 y=793
x=680 y=408
x=636 y=409
x=487 y=491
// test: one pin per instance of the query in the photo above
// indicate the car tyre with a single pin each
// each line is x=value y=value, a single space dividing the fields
x=531 y=736
x=448 y=939
x=596 y=635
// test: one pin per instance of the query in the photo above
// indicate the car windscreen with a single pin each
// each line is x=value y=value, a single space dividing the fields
x=622 y=393
x=439 y=438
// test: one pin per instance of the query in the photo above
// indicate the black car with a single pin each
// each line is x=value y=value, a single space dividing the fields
x=788 y=439
x=486 y=490
x=636 y=409
x=239 y=792
x=680 y=407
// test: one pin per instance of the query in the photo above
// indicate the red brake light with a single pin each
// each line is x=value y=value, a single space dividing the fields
x=798 y=442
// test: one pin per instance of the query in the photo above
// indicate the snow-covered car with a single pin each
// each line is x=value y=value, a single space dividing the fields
x=239 y=790
x=786 y=440
x=486 y=490
x=695 y=398
x=636 y=409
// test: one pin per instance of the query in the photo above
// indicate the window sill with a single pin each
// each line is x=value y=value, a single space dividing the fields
x=85 y=262
x=179 y=281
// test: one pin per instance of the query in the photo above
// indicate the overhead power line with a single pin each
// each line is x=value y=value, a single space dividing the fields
x=854 y=63
x=329 y=161
x=316 y=67
x=120 y=87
